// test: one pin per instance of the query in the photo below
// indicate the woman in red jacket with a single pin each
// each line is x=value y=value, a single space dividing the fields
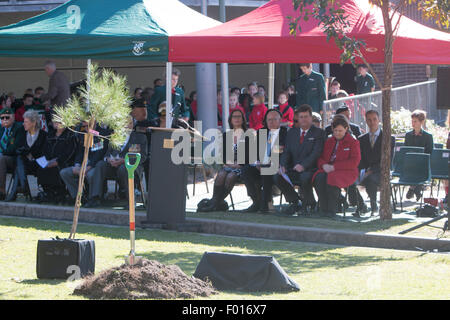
x=258 y=113
x=338 y=165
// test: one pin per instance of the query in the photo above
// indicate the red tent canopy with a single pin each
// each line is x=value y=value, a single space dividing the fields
x=262 y=36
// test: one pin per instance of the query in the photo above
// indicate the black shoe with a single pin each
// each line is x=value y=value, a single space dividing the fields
x=362 y=209
x=410 y=193
x=93 y=203
x=264 y=209
x=418 y=194
x=11 y=197
x=292 y=209
x=373 y=209
x=252 y=209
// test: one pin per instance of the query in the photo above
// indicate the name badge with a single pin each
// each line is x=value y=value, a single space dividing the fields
x=347 y=149
x=310 y=139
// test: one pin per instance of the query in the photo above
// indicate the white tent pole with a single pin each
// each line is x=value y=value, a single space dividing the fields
x=169 y=116
x=224 y=78
x=271 y=80
x=225 y=95
x=88 y=85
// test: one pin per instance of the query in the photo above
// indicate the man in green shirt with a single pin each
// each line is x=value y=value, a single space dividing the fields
x=310 y=87
x=364 y=81
x=179 y=107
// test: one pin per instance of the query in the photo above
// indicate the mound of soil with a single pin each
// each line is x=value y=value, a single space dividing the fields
x=148 y=279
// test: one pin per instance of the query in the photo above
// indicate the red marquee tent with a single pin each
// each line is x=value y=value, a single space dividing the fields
x=262 y=36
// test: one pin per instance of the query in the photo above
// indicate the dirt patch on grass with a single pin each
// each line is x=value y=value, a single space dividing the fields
x=147 y=280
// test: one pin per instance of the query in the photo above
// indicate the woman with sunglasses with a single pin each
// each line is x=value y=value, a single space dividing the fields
x=11 y=137
x=232 y=169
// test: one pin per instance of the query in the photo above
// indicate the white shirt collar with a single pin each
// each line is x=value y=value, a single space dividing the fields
x=376 y=133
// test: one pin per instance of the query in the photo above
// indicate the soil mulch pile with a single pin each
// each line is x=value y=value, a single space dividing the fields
x=148 y=279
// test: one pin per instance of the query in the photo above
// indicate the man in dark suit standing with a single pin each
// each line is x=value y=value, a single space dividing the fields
x=304 y=146
x=354 y=128
x=259 y=185
x=370 y=165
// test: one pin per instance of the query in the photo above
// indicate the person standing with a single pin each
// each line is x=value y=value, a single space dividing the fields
x=364 y=80
x=287 y=112
x=58 y=87
x=310 y=87
x=258 y=113
x=179 y=108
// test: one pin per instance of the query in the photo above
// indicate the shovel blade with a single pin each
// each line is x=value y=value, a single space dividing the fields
x=132 y=260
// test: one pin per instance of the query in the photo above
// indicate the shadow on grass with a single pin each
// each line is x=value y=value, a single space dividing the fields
x=363 y=224
x=43 y=281
x=298 y=261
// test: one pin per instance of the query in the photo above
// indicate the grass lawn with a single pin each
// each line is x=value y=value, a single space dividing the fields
x=323 y=272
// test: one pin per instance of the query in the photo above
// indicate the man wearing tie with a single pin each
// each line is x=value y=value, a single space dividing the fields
x=370 y=164
x=12 y=136
x=259 y=185
x=304 y=146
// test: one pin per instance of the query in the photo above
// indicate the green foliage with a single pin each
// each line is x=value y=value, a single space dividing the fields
x=109 y=101
x=437 y=10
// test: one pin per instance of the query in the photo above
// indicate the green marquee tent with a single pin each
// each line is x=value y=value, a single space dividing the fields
x=103 y=29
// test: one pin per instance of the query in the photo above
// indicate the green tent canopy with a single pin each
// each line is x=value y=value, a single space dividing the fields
x=103 y=29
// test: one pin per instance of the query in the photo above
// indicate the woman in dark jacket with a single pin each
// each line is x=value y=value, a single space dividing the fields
x=233 y=140
x=59 y=152
x=338 y=165
x=32 y=149
x=418 y=137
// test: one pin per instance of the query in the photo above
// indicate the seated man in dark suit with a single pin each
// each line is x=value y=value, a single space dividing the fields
x=370 y=164
x=70 y=175
x=252 y=176
x=304 y=146
x=113 y=166
x=354 y=128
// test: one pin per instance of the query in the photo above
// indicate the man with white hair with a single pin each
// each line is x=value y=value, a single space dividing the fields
x=58 y=87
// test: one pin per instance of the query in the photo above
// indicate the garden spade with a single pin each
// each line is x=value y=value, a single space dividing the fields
x=131 y=259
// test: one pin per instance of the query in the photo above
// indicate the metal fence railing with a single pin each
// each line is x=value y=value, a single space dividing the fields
x=420 y=95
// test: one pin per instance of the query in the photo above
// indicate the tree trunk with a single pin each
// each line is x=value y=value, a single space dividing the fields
x=385 y=194
x=88 y=139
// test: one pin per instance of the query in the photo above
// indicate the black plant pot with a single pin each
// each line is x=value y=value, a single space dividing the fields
x=64 y=258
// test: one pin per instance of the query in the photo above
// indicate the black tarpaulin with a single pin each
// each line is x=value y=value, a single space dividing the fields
x=228 y=271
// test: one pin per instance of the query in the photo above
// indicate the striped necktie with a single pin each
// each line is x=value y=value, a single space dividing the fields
x=5 y=138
